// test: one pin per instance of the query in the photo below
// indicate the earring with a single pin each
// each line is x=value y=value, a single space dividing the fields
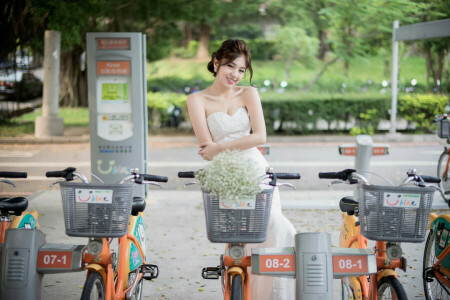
x=215 y=69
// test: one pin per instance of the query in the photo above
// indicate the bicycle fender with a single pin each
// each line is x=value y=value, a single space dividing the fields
x=96 y=268
x=432 y=217
x=386 y=273
x=356 y=287
x=28 y=219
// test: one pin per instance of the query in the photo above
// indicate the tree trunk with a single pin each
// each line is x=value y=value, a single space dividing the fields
x=324 y=47
x=73 y=88
x=203 y=44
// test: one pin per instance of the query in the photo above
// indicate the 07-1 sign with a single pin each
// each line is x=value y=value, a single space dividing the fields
x=54 y=259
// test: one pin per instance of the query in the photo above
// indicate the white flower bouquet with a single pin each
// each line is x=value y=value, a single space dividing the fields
x=230 y=175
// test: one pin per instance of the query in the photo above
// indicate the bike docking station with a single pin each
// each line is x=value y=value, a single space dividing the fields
x=118 y=136
x=314 y=264
x=117 y=96
x=363 y=151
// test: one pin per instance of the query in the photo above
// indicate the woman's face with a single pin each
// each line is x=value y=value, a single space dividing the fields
x=231 y=73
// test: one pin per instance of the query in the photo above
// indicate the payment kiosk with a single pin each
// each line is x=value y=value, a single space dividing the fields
x=117 y=96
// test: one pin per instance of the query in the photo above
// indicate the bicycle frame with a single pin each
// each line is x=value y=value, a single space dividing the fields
x=131 y=249
x=351 y=237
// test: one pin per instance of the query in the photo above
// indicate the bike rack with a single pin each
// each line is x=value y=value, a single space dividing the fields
x=25 y=257
x=363 y=151
x=313 y=263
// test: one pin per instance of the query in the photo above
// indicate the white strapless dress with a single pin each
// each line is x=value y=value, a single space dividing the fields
x=281 y=232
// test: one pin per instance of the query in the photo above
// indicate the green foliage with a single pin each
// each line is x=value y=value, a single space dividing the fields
x=188 y=52
x=422 y=108
x=161 y=104
x=300 y=113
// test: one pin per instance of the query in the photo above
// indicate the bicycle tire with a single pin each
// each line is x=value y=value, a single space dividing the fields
x=236 y=288
x=433 y=289
x=393 y=284
x=444 y=185
x=344 y=294
x=94 y=287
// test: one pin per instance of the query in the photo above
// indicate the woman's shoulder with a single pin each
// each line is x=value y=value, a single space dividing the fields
x=196 y=97
x=249 y=93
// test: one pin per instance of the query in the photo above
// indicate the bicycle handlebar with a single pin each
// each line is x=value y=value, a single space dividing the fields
x=7 y=174
x=429 y=179
x=187 y=174
x=70 y=174
x=287 y=176
x=351 y=176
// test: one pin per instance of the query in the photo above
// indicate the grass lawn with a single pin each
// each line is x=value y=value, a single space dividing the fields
x=361 y=70
x=73 y=117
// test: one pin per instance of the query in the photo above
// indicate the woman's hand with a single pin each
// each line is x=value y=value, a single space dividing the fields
x=208 y=150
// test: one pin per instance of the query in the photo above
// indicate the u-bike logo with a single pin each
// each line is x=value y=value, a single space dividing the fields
x=401 y=200
x=112 y=168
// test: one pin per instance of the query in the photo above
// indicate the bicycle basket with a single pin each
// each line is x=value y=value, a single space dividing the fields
x=443 y=128
x=96 y=210
x=244 y=221
x=397 y=214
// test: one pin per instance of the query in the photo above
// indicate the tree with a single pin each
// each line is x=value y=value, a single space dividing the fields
x=355 y=23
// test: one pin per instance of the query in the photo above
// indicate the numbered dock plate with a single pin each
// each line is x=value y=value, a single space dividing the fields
x=274 y=261
x=59 y=258
x=353 y=262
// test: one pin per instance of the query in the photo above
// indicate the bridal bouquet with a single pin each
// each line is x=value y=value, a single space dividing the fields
x=230 y=175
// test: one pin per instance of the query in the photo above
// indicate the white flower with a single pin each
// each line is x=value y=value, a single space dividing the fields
x=230 y=175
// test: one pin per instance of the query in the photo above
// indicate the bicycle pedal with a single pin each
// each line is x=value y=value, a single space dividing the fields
x=149 y=272
x=211 y=273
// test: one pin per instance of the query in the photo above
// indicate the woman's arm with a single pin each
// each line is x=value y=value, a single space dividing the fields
x=257 y=137
x=198 y=119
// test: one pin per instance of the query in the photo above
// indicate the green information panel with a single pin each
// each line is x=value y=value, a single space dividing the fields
x=115 y=91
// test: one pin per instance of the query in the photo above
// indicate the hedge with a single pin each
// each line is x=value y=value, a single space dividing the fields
x=301 y=113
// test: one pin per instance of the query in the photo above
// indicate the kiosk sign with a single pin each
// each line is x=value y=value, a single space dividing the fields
x=117 y=95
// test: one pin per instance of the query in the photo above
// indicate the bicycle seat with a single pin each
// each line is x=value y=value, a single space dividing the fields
x=348 y=205
x=138 y=205
x=14 y=205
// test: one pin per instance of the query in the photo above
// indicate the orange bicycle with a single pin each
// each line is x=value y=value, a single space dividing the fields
x=102 y=212
x=388 y=215
x=244 y=222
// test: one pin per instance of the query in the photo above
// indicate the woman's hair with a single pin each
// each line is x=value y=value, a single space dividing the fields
x=229 y=51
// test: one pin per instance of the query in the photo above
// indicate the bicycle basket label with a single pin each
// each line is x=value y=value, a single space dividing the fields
x=401 y=200
x=93 y=196
x=244 y=202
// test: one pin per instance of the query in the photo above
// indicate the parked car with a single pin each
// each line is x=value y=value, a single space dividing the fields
x=27 y=85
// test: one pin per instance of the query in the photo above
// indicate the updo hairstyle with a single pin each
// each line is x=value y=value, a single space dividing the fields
x=229 y=51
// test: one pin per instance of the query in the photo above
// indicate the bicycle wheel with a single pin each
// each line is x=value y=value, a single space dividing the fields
x=236 y=288
x=445 y=180
x=345 y=292
x=94 y=287
x=390 y=288
x=434 y=290
x=137 y=294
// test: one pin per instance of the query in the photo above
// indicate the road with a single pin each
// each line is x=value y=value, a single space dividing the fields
x=167 y=159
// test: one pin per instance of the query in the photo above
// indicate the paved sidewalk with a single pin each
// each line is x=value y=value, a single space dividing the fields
x=177 y=242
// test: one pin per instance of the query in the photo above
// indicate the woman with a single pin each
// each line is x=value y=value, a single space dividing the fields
x=222 y=116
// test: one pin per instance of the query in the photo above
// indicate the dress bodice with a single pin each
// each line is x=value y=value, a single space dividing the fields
x=224 y=127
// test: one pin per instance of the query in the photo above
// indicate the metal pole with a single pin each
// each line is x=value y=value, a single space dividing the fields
x=49 y=124
x=394 y=84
